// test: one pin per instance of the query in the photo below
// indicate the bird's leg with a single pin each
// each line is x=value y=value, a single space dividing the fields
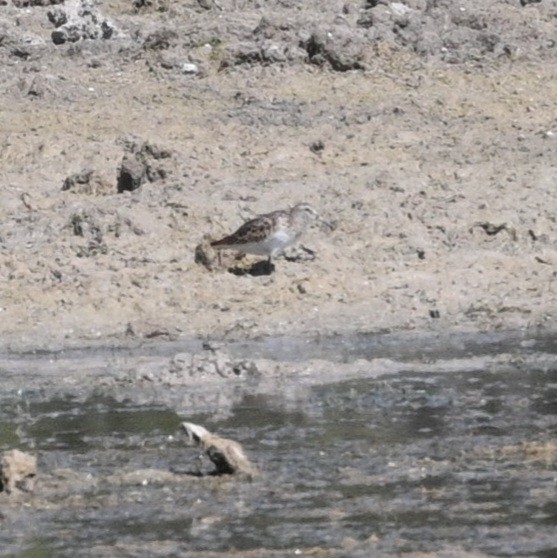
x=269 y=265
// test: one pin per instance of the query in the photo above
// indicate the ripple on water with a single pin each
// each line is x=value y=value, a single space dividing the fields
x=408 y=462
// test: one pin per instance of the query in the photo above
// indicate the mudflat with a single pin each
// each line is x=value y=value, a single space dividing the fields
x=424 y=132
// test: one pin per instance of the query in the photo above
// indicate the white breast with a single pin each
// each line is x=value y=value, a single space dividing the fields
x=271 y=246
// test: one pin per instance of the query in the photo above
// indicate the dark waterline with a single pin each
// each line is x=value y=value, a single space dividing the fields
x=403 y=346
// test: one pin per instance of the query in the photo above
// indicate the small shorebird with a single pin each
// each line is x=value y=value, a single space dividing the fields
x=228 y=456
x=269 y=234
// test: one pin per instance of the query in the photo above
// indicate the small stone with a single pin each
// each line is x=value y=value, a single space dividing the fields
x=189 y=68
x=399 y=9
x=317 y=146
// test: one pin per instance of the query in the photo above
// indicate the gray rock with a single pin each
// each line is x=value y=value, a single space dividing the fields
x=132 y=173
x=79 y=20
x=143 y=162
x=342 y=49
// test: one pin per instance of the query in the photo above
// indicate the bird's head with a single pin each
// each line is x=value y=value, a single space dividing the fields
x=195 y=433
x=304 y=212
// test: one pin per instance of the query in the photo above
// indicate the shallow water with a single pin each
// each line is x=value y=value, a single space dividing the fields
x=402 y=463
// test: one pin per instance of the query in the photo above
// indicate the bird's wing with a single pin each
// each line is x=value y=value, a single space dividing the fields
x=254 y=230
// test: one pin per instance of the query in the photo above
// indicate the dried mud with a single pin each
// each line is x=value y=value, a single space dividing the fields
x=423 y=132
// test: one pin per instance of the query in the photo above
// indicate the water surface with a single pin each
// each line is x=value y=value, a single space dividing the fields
x=411 y=462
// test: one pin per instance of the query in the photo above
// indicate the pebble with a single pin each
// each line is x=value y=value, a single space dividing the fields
x=189 y=68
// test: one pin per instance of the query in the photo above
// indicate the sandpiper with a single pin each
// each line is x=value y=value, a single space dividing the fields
x=269 y=234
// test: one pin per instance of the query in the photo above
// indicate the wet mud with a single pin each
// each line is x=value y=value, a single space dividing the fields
x=443 y=450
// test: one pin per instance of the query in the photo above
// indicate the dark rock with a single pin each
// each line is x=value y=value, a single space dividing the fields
x=317 y=146
x=342 y=50
x=145 y=161
x=28 y=3
x=150 y=5
x=57 y=17
x=132 y=173
x=21 y=51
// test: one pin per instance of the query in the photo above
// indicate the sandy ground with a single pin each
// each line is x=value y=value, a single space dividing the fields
x=425 y=133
